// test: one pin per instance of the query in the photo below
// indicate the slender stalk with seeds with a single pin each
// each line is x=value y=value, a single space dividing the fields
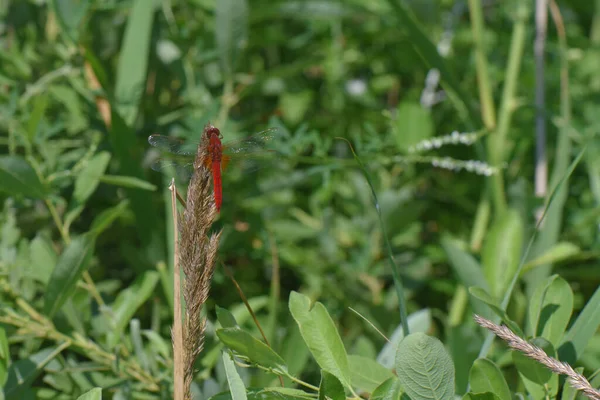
x=197 y=257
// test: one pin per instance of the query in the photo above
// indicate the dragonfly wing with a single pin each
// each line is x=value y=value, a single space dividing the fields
x=256 y=143
x=182 y=170
x=172 y=145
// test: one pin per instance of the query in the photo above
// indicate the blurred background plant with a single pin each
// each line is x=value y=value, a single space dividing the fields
x=438 y=99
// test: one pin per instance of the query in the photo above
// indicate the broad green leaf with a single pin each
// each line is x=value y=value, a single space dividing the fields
x=419 y=321
x=127 y=303
x=94 y=394
x=582 y=330
x=127 y=182
x=501 y=252
x=413 y=125
x=252 y=348
x=71 y=264
x=485 y=297
x=22 y=373
x=231 y=32
x=133 y=59
x=330 y=387
x=321 y=336
x=4 y=357
x=226 y=318
x=107 y=217
x=539 y=380
x=557 y=253
x=17 y=178
x=550 y=309
x=425 y=368
x=367 y=374
x=485 y=376
x=236 y=386
x=88 y=179
x=388 y=390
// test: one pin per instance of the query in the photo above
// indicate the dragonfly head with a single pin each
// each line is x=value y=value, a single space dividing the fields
x=211 y=131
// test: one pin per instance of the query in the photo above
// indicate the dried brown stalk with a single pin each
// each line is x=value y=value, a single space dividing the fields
x=578 y=381
x=198 y=254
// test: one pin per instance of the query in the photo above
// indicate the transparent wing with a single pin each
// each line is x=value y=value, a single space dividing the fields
x=183 y=170
x=172 y=145
x=252 y=146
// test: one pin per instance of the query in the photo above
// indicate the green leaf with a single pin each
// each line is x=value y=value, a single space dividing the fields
x=330 y=387
x=582 y=330
x=127 y=182
x=43 y=259
x=550 y=309
x=127 y=303
x=88 y=179
x=94 y=394
x=485 y=297
x=425 y=368
x=107 y=217
x=236 y=386
x=569 y=392
x=22 y=373
x=248 y=346
x=391 y=389
x=4 y=357
x=71 y=264
x=133 y=59
x=17 y=178
x=557 y=253
x=419 y=321
x=485 y=376
x=538 y=379
x=367 y=374
x=226 y=318
x=467 y=270
x=501 y=252
x=321 y=336
x=70 y=15
x=413 y=125
x=231 y=31
x=40 y=104
x=269 y=393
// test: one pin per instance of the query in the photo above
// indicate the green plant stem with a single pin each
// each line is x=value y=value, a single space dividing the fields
x=497 y=141
x=488 y=113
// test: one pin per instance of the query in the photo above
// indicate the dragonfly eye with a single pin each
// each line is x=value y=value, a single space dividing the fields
x=212 y=131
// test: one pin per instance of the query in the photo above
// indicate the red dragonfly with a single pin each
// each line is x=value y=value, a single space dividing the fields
x=214 y=155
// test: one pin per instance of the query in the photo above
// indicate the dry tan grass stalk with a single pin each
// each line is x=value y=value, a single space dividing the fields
x=198 y=257
x=177 y=331
x=576 y=380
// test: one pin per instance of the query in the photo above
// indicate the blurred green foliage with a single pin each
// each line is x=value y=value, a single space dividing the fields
x=85 y=240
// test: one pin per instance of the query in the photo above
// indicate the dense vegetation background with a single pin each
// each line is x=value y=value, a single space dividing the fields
x=437 y=98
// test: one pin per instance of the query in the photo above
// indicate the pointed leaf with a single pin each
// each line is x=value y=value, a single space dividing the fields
x=236 y=386
x=501 y=252
x=71 y=264
x=485 y=376
x=88 y=179
x=17 y=178
x=367 y=374
x=582 y=330
x=425 y=368
x=330 y=387
x=550 y=309
x=226 y=318
x=321 y=336
x=248 y=346
x=94 y=394
x=391 y=389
